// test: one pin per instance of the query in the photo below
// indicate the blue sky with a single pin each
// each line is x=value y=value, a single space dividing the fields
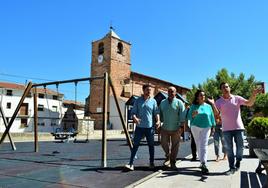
x=184 y=42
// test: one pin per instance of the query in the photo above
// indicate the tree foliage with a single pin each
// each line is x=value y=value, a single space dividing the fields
x=261 y=105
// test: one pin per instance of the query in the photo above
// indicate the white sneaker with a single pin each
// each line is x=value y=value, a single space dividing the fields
x=129 y=167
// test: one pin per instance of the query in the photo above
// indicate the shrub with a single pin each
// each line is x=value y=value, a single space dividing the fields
x=261 y=105
x=258 y=127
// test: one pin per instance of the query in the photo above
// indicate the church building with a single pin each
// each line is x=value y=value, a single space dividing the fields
x=111 y=54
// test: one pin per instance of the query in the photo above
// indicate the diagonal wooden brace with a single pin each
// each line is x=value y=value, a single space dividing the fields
x=130 y=144
x=6 y=124
x=26 y=92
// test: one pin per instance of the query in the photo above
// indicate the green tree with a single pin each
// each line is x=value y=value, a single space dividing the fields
x=239 y=86
x=261 y=105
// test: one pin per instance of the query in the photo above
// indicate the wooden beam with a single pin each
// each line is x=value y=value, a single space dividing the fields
x=6 y=124
x=26 y=92
x=68 y=81
x=120 y=114
x=104 y=121
x=36 y=148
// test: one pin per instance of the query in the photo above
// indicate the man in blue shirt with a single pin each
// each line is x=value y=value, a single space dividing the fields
x=145 y=115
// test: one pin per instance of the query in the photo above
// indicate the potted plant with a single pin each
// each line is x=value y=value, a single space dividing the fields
x=257 y=131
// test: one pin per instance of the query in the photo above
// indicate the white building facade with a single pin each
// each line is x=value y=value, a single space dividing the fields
x=51 y=109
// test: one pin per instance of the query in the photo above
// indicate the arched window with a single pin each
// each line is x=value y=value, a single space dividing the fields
x=120 y=48
x=101 y=48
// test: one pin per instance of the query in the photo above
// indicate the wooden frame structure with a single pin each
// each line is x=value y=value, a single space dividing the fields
x=107 y=84
x=8 y=126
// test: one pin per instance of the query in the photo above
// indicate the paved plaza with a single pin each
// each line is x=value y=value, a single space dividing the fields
x=78 y=165
x=75 y=164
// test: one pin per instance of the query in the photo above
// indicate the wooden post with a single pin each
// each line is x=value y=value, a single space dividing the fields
x=126 y=116
x=36 y=148
x=26 y=92
x=121 y=116
x=6 y=124
x=104 y=121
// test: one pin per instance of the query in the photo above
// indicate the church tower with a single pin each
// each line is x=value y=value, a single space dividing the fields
x=112 y=55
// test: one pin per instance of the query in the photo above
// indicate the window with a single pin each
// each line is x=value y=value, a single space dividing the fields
x=9 y=92
x=120 y=48
x=41 y=95
x=101 y=48
x=23 y=123
x=54 y=109
x=40 y=107
x=24 y=109
x=8 y=105
x=55 y=97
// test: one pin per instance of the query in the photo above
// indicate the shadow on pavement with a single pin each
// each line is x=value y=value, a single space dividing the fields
x=191 y=171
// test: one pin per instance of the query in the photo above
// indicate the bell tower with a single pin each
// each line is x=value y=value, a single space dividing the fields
x=112 y=55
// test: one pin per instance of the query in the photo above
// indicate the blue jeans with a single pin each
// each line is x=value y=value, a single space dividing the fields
x=139 y=133
x=237 y=136
x=218 y=136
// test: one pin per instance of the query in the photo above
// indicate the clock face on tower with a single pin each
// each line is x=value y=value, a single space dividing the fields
x=100 y=58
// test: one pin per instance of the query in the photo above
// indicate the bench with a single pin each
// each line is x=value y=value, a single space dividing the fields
x=262 y=154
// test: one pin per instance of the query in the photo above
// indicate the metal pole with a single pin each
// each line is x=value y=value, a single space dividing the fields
x=121 y=116
x=26 y=92
x=104 y=121
x=6 y=124
x=36 y=148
